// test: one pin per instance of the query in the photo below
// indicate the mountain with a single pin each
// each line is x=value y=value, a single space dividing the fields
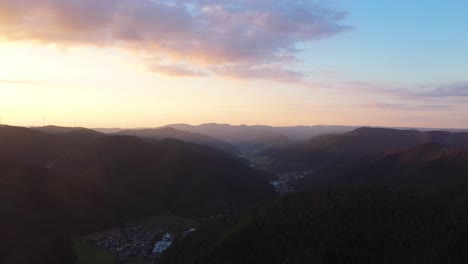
x=32 y=230
x=108 y=130
x=240 y=134
x=115 y=178
x=76 y=134
x=169 y=132
x=105 y=179
x=58 y=129
x=52 y=185
x=356 y=225
x=323 y=151
x=429 y=166
x=40 y=148
x=30 y=146
x=394 y=196
x=386 y=201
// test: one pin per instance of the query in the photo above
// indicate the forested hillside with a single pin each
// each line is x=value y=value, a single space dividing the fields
x=358 y=225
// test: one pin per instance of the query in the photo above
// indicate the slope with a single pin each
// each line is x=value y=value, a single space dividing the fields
x=115 y=178
x=430 y=166
x=32 y=230
x=344 y=226
x=331 y=150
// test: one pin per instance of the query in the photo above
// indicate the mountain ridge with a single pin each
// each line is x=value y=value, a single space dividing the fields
x=191 y=137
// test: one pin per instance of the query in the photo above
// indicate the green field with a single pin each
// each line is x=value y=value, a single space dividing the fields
x=175 y=223
x=134 y=261
x=89 y=254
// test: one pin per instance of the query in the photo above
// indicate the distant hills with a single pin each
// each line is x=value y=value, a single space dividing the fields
x=56 y=130
x=258 y=137
x=41 y=146
x=233 y=139
x=191 y=137
x=220 y=135
x=244 y=133
x=321 y=151
x=428 y=167
x=31 y=146
x=74 y=134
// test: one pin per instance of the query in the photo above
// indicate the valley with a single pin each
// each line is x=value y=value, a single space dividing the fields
x=107 y=195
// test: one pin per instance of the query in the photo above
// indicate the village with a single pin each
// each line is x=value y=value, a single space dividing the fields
x=140 y=242
x=283 y=183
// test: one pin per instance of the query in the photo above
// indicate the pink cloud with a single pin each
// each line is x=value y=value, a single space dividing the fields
x=272 y=72
x=176 y=70
x=224 y=37
x=425 y=91
x=406 y=106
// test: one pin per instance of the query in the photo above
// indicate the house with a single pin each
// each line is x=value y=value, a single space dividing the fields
x=161 y=246
x=167 y=237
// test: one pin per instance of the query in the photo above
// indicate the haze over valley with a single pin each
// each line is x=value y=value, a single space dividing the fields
x=233 y=132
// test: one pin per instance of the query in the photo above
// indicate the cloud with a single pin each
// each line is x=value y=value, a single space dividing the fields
x=447 y=90
x=459 y=89
x=223 y=37
x=407 y=107
x=272 y=72
x=20 y=82
x=427 y=97
x=27 y=82
x=176 y=70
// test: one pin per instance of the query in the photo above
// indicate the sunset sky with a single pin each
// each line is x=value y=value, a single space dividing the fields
x=146 y=63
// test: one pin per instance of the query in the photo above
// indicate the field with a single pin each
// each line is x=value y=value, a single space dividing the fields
x=173 y=223
x=89 y=254
x=114 y=232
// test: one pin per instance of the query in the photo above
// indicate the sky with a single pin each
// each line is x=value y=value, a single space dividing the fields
x=147 y=63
